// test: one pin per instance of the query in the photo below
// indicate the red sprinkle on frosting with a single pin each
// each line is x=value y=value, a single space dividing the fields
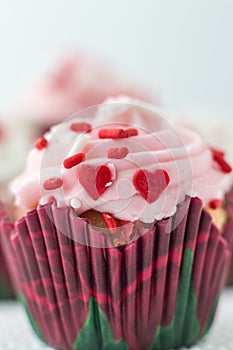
x=110 y=223
x=112 y=134
x=151 y=185
x=118 y=153
x=117 y=133
x=131 y=132
x=53 y=184
x=218 y=157
x=74 y=160
x=215 y=203
x=217 y=152
x=41 y=143
x=81 y=127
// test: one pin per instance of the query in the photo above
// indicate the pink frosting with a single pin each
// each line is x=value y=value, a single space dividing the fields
x=158 y=148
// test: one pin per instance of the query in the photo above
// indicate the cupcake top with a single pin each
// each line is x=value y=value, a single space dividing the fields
x=121 y=158
x=78 y=81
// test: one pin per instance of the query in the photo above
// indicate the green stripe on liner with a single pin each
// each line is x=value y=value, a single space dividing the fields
x=97 y=324
x=31 y=319
x=185 y=327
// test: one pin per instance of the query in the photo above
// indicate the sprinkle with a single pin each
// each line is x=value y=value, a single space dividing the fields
x=94 y=180
x=52 y=184
x=225 y=167
x=117 y=133
x=217 y=152
x=103 y=178
x=41 y=143
x=74 y=160
x=118 y=153
x=151 y=184
x=112 y=134
x=131 y=132
x=110 y=223
x=215 y=203
x=75 y=203
x=81 y=127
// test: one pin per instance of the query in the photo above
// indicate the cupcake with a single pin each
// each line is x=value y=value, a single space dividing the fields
x=75 y=82
x=120 y=239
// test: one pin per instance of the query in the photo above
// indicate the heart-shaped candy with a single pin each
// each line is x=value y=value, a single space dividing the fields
x=151 y=184
x=94 y=180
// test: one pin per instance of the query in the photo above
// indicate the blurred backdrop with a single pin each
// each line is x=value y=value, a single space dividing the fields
x=182 y=49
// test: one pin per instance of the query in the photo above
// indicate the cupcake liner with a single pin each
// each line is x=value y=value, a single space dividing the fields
x=6 y=288
x=158 y=292
x=229 y=228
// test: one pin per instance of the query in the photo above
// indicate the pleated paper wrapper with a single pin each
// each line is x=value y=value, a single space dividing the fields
x=229 y=209
x=159 y=291
x=6 y=288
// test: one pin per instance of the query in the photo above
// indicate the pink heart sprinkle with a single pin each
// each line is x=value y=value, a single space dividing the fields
x=151 y=185
x=94 y=180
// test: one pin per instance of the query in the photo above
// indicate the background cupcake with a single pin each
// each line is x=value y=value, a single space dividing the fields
x=74 y=82
x=127 y=245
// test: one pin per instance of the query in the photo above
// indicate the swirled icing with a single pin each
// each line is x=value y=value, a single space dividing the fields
x=179 y=152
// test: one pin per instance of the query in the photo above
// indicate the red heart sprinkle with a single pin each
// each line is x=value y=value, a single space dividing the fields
x=94 y=180
x=52 y=184
x=41 y=143
x=151 y=185
x=110 y=223
x=73 y=160
x=118 y=153
x=81 y=127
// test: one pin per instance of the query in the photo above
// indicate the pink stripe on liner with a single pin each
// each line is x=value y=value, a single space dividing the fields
x=129 y=283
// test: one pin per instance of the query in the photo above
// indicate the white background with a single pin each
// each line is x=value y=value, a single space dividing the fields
x=181 y=48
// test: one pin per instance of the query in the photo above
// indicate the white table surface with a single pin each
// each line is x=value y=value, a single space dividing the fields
x=16 y=334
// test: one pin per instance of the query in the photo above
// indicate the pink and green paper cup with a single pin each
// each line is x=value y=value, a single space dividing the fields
x=6 y=288
x=160 y=291
x=116 y=247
